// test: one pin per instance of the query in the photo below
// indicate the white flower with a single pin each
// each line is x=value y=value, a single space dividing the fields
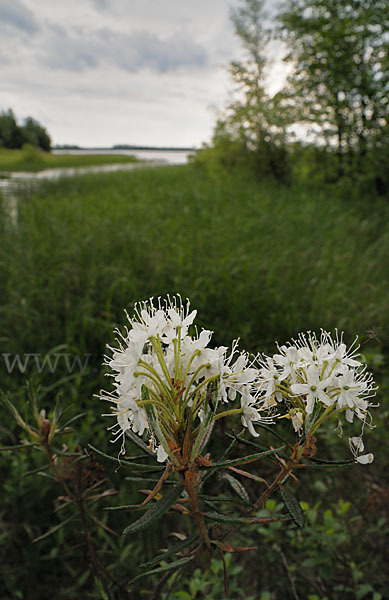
x=313 y=389
x=366 y=459
x=161 y=454
x=297 y=420
x=351 y=390
x=250 y=413
x=319 y=378
x=288 y=358
x=237 y=377
x=357 y=446
x=268 y=382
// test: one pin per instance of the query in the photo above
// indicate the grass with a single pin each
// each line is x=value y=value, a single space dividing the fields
x=258 y=261
x=30 y=159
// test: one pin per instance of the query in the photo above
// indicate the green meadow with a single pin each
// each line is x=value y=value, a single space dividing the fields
x=259 y=261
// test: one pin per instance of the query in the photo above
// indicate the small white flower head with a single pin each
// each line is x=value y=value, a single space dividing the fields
x=270 y=379
x=318 y=377
x=162 y=372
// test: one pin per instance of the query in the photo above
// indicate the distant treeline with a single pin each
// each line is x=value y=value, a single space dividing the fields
x=14 y=136
x=125 y=147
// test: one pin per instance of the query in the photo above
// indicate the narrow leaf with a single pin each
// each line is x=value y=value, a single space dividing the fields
x=156 y=511
x=73 y=419
x=322 y=461
x=173 y=550
x=230 y=519
x=236 y=520
x=35 y=471
x=229 y=499
x=138 y=442
x=174 y=565
x=237 y=487
x=16 y=447
x=127 y=463
x=54 y=529
x=293 y=506
x=126 y=507
x=327 y=466
x=244 y=460
x=149 y=479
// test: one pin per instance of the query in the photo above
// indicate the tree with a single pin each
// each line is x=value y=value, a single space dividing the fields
x=13 y=136
x=252 y=125
x=36 y=135
x=341 y=80
x=10 y=134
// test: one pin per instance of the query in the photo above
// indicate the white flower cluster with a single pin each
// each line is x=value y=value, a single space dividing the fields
x=162 y=373
x=319 y=378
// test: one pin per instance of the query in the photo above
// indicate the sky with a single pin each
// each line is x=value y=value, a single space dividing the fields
x=105 y=72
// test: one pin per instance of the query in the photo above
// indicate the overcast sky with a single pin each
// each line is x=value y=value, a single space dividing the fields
x=104 y=72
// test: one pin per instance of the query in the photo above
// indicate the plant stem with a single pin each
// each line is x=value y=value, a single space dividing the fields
x=188 y=478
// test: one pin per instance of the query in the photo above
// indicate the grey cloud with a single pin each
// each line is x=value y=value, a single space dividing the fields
x=101 y=4
x=72 y=52
x=14 y=13
x=80 y=50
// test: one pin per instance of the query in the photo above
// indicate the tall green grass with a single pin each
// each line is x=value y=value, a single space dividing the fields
x=258 y=261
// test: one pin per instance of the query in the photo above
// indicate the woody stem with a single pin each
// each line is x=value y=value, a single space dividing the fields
x=188 y=482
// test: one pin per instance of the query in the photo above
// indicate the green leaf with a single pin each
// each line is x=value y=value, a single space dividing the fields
x=156 y=511
x=213 y=499
x=148 y=480
x=38 y=470
x=237 y=487
x=340 y=465
x=126 y=507
x=127 y=463
x=54 y=529
x=322 y=461
x=230 y=519
x=138 y=442
x=73 y=419
x=173 y=550
x=243 y=460
x=16 y=447
x=293 y=506
x=17 y=417
x=183 y=595
x=363 y=590
x=174 y=565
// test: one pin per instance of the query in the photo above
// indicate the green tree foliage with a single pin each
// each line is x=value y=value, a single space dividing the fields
x=14 y=136
x=36 y=135
x=341 y=78
x=10 y=134
x=252 y=130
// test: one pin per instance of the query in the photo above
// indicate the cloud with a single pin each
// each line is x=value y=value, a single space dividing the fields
x=144 y=49
x=78 y=50
x=101 y=4
x=15 y=14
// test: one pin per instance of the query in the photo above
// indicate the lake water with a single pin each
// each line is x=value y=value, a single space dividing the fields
x=175 y=157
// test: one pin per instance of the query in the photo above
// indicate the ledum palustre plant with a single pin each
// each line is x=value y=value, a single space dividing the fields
x=170 y=388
